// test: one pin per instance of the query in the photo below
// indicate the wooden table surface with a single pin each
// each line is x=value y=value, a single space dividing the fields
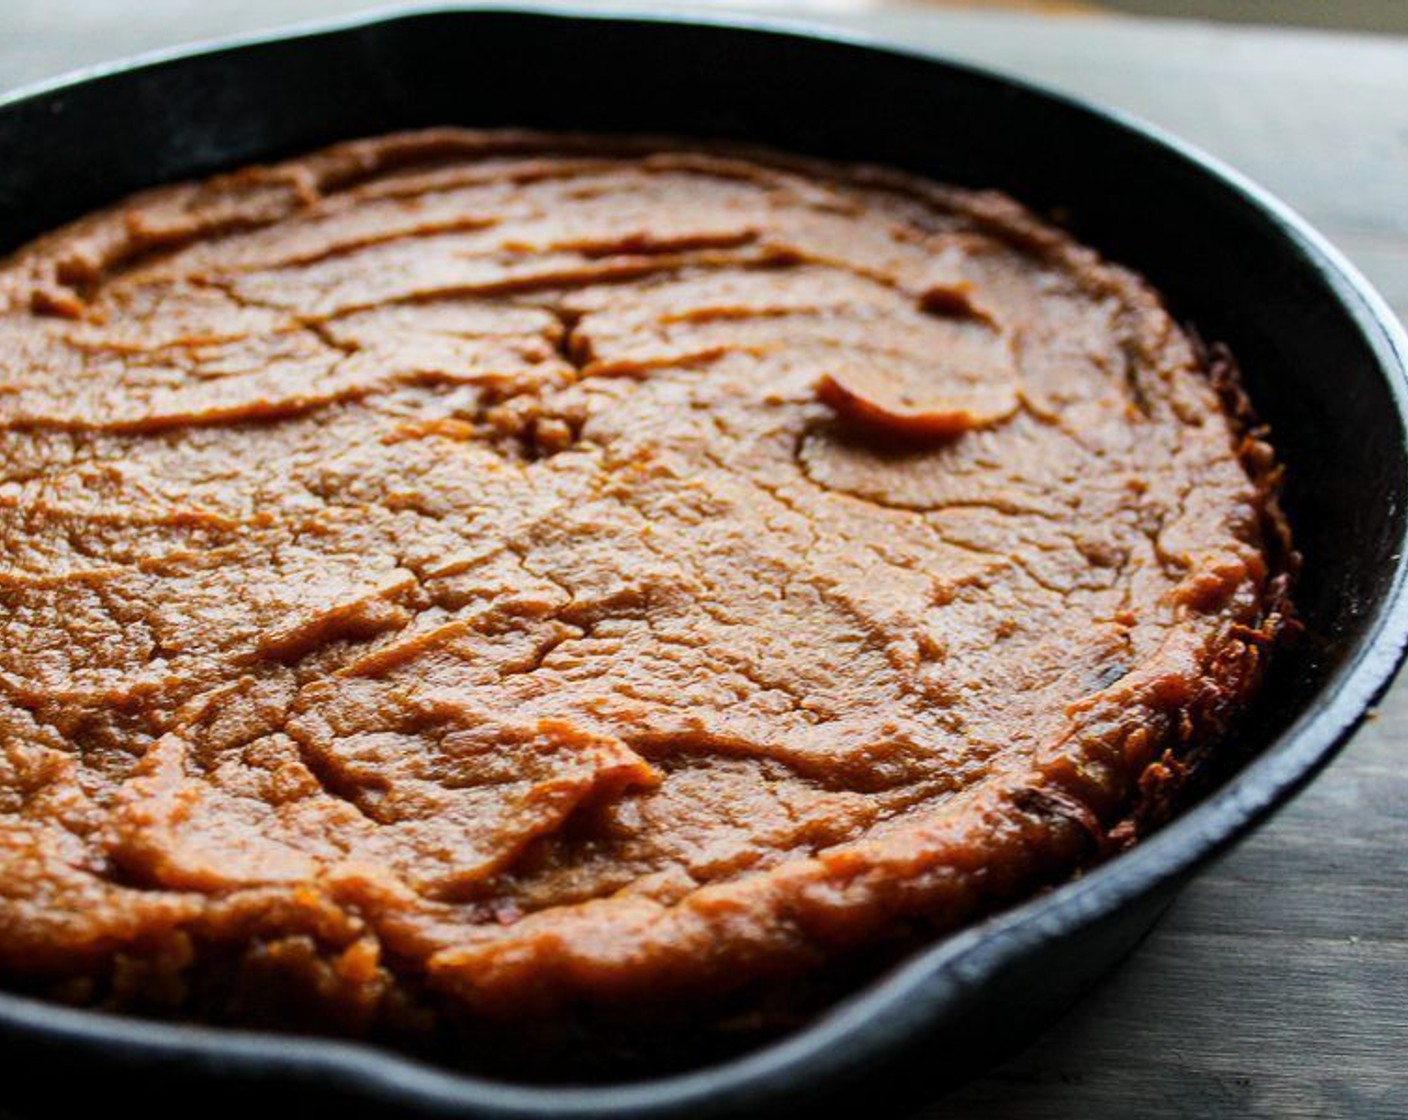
x=1277 y=986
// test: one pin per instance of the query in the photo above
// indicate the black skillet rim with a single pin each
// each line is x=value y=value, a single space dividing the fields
x=889 y=1013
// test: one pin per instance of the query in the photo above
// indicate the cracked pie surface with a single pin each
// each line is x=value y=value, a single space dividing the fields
x=479 y=576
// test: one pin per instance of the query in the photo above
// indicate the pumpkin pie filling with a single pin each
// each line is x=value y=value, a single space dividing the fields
x=482 y=576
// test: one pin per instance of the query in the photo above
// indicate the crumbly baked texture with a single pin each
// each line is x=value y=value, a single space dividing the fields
x=490 y=577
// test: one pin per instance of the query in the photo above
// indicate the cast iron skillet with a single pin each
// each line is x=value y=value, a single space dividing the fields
x=1324 y=361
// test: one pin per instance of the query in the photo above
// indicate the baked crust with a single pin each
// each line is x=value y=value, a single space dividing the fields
x=473 y=577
